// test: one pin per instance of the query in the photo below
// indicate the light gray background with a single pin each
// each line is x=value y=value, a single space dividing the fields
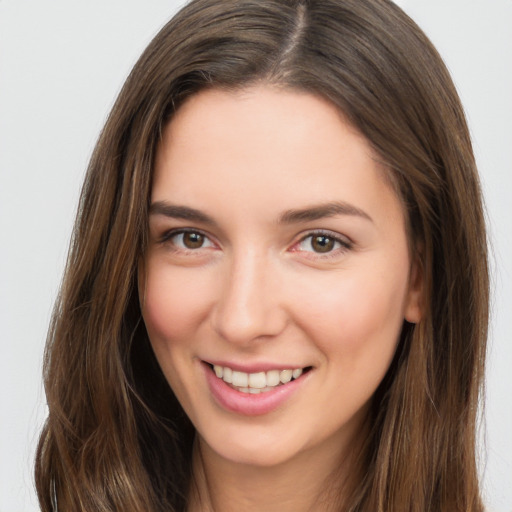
x=61 y=66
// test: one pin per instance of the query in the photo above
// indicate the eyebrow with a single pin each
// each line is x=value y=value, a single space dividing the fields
x=180 y=212
x=295 y=216
x=316 y=212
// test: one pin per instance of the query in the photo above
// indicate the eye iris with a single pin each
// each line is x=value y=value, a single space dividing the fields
x=193 y=240
x=322 y=243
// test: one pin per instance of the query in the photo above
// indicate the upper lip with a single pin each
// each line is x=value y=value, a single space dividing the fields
x=254 y=367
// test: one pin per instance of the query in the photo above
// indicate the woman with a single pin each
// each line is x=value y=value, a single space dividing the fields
x=277 y=291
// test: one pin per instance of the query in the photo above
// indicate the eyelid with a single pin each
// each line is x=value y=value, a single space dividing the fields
x=344 y=241
x=170 y=233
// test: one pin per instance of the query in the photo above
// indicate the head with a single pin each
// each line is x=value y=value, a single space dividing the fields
x=372 y=63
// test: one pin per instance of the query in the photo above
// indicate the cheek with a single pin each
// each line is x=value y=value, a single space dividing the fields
x=355 y=325
x=173 y=304
x=355 y=315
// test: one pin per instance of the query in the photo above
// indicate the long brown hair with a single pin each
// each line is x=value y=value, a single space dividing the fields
x=116 y=438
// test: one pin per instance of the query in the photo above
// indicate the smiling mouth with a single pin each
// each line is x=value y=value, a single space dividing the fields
x=260 y=382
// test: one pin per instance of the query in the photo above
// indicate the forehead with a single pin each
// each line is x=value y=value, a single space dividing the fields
x=266 y=146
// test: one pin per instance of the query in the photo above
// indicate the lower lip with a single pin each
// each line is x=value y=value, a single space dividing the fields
x=249 y=404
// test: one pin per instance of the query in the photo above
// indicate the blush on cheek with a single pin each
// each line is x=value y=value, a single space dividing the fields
x=168 y=311
x=354 y=316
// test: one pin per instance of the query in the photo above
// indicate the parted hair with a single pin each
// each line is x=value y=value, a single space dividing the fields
x=116 y=439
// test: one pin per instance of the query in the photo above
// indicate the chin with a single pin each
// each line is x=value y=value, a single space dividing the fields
x=254 y=449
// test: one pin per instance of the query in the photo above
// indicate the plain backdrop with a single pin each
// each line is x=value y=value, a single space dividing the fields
x=61 y=65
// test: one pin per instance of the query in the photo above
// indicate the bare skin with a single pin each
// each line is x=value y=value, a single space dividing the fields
x=292 y=486
x=276 y=243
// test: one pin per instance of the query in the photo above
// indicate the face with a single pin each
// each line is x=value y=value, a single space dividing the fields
x=277 y=276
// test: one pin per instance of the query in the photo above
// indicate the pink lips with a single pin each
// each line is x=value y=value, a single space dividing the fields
x=246 y=403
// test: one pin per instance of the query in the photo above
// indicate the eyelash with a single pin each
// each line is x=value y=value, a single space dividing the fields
x=343 y=244
x=169 y=235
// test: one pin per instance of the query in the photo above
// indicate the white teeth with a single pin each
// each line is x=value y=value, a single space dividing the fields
x=259 y=382
x=228 y=375
x=285 y=376
x=297 y=373
x=240 y=379
x=254 y=391
x=273 y=378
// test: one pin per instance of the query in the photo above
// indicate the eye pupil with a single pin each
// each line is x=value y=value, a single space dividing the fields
x=193 y=240
x=322 y=243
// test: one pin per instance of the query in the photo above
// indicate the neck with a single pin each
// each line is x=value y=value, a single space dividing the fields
x=312 y=481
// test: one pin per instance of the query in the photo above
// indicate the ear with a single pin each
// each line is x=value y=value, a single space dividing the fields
x=414 y=306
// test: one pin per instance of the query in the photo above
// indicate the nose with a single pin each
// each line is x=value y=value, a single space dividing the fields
x=248 y=307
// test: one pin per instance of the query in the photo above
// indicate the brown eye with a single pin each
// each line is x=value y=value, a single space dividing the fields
x=193 y=240
x=180 y=241
x=322 y=243
x=188 y=240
